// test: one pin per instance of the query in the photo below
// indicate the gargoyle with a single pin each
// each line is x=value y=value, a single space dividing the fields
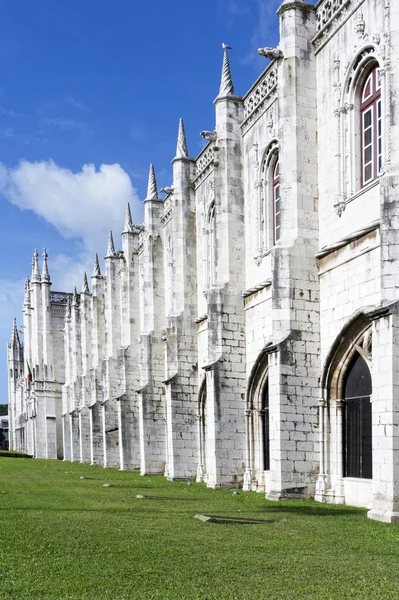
x=209 y=135
x=272 y=53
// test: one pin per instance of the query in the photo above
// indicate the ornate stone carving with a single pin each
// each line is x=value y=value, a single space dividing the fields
x=340 y=207
x=331 y=14
x=204 y=160
x=272 y=53
x=211 y=136
x=256 y=99
x=360 y=25
x=167 y=190
x=59 y=297
x=167 y=214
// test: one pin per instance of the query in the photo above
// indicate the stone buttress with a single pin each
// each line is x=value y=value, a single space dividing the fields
x=179 y=240
x=152 y=409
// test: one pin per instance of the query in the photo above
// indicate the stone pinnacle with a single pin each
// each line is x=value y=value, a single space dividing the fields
x=128 y=228
x=85 y=286
x=45 y=273
x=35 y=268
x=226 y=83
x=96 y=270
x=181 y=149
x=152 y=190
x=111 y=248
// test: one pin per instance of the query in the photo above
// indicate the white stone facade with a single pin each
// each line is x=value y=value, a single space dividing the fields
x=237 y=334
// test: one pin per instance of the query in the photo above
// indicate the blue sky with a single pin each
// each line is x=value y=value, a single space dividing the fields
x=91 y=92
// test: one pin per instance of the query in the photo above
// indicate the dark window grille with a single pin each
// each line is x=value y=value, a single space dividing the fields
x=357 y=423
x=265 y=428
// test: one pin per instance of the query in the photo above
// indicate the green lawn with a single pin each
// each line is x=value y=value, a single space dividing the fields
x=66 y=537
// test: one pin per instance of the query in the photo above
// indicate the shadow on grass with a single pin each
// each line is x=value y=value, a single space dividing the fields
x=315 y=511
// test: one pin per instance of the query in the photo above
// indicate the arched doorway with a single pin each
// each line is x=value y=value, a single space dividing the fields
x=345 y=418
x=258 y=424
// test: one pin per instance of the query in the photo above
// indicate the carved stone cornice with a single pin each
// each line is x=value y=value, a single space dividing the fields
x=204 y=162
x=257 y=100
x=331 y=15
x=167 y=213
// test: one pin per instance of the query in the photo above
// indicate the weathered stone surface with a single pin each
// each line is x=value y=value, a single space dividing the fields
x=217 y=343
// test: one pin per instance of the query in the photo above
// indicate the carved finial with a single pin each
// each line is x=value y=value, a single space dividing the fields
x=111 y=248
x=27 y=292
x=226 y=83
x=96 y=270
x=128 y=228
x=211 y=136
x=272 y=53
x=85 y=286
x=35 y=268
x=152 y=190
x=45 y=273
x=181 y=148
x=75 y=297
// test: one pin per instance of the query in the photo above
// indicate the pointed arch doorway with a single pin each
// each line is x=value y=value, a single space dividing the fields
x=257 y=414
x=345 y=418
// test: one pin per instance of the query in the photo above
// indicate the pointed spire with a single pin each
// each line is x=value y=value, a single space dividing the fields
x=35 y=268
x=14 y=341
x=152 y=190
x=128 y=228
x=111 y=248
x=96 y=270
x=45 y=273
x=181 y=149
x=27 y=292
x=85 y=286
x=226 y=83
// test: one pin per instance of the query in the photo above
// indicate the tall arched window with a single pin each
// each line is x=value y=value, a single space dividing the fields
x=276 y=200
x=270 y=213
x=211 y=244
x=357 y=434
x=371 y=127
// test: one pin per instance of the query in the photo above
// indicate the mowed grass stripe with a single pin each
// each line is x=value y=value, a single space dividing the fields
x=66 y=537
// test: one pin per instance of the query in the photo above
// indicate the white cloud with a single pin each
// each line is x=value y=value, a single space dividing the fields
x=265 y=32
x=11 y=299
x=84 y=205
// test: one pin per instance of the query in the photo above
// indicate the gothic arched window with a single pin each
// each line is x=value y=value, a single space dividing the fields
x=269 y=217
x=211 y=244
x=276 y=201
x=357 y=432
x=371 y=127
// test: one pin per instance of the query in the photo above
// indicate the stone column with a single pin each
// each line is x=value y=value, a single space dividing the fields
x=385 y=418
x=96 y=435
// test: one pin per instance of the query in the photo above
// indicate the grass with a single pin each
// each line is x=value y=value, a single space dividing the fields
x=71 y=538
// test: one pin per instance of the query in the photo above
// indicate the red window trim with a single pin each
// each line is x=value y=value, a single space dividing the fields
x=371 y=103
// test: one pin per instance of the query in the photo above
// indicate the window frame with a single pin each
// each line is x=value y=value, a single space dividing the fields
x=370 y=105
x=267 y=212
